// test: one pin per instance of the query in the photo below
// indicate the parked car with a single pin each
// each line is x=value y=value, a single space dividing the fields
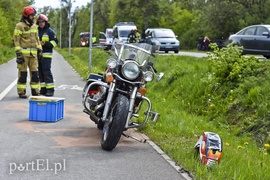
x=255 y=39
x=164 y=38
x=106 y=39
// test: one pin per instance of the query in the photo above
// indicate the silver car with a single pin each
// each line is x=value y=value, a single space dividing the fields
x=164 y=38
x=255 y=39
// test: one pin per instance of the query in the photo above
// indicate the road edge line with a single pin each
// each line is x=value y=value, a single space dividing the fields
x=6 y=91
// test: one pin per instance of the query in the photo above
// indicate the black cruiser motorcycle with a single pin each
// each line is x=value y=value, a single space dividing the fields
x=113 y=100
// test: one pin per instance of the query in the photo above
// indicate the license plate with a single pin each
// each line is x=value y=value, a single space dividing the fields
x=168 y=47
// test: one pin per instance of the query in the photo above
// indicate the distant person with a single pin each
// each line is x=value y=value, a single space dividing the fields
x=200 y=43
x=48 y=41
x=206 y=43
x=138 y=36
x=28 y=50
x=132 y=36
x=143 y=35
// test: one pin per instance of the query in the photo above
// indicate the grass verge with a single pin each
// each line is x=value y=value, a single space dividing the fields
x=6 y=54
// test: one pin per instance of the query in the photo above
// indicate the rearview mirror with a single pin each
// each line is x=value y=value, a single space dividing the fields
x=159 y=77
x=266 y=34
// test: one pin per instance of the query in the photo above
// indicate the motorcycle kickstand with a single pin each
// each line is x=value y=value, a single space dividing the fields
x=132 y=137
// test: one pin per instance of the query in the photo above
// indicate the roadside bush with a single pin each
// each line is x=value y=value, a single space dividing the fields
x=239 y=91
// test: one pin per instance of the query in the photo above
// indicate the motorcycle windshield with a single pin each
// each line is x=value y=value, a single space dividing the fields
x=139 y=52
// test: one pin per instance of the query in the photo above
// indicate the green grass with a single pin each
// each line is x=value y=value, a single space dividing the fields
x=79 y=60
x=190 y=103
x=6 y=54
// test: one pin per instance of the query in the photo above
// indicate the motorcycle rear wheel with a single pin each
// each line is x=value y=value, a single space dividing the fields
x=112 y=131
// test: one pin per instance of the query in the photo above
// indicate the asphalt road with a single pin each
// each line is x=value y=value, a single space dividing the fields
x=69 y=148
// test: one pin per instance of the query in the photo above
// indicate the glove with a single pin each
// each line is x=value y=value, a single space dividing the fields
x=20 y=58
x=42 y=43
x=40 y=55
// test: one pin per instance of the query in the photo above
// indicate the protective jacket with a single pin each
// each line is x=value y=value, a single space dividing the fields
x=26 y=38
x=48 y=37
x=132 y=37
x=26 y=41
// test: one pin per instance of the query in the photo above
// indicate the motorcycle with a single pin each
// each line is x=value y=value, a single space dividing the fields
x=113 y=100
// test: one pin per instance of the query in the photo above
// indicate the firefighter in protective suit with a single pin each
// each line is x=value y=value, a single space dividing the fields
x=48 y=41
x=132 y=37
x=28 y=49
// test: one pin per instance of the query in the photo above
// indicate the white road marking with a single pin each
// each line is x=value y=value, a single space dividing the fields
x=65 y=86
x=6 y=91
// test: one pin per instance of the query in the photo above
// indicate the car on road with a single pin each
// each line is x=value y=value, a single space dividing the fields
x=255 y=39
x=106 y=38
x=164 y=38
x=84 y=39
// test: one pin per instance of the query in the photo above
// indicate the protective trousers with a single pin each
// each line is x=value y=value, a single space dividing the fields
x=45 y=76
x=31 y=63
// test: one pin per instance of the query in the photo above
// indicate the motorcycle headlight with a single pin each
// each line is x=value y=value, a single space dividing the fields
x=148 y=76
x=111 y=63
x=130 y=70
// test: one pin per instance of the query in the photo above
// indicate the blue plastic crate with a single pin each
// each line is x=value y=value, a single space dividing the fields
x=46 y=109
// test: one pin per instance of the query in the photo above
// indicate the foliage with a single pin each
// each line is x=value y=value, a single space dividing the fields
x=10 y=15
x=239 y=91
x=6 y=54
x=79 y=60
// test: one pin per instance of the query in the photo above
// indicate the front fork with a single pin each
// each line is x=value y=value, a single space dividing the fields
x=108 y=102
x=109 y=99
x=131 y=104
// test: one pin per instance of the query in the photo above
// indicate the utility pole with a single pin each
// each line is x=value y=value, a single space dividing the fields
x=61 y=25
x=69 y=42
x=91 y=32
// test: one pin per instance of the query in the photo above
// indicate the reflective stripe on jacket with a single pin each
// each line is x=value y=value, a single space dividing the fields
x=47 y=55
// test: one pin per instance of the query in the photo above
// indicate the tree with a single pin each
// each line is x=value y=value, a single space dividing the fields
x=10 y=16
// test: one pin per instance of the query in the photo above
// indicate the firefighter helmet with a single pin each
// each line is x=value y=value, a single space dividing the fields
x=28 y=10
x=42 y=17
x=209 y=146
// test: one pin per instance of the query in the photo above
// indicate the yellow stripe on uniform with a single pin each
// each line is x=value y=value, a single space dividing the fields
x=47 y=55
x=21 y=86
x=34 y=86
x=17 y=32
x=45 y=38
x=53 y=43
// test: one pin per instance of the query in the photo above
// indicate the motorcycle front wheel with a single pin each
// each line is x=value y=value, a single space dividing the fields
x=113 y=129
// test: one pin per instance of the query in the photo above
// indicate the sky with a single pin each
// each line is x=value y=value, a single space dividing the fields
x=56 y=3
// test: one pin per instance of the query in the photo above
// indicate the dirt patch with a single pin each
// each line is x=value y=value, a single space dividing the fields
x=17 y=107
x=78 y=138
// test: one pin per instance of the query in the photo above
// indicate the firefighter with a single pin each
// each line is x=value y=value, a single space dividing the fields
x=48 y=41
x=132 y=37
x=138 y=36
x=28 y=49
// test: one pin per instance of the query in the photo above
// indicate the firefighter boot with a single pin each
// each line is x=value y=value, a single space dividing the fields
x=23 y=96
x=49 y=92
x=43 y=90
